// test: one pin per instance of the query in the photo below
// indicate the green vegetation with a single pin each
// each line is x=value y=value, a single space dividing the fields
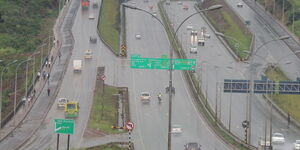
x=291 y=12
x=104 y=110
x=200 y=102
x=109 y=23
x=23 y=26
x=110 y=146
x=226 y=21
x=288 y=103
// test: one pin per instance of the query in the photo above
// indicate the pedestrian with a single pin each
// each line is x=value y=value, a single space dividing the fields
x=289 y=119
x=46 y=64
x=23 y=101
x=48 y=76
x=59 y=54
x=48 y=91
x=49 y=63
x=33 y=94
x=52 y=58
x=44 y=74
x=38 y=75
x=29 y=101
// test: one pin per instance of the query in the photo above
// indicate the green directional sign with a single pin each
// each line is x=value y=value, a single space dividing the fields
x=64 y=126
x=138 y=62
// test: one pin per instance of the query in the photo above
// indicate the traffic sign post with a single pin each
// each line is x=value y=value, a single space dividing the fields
x=129 y=126
x=63 y=126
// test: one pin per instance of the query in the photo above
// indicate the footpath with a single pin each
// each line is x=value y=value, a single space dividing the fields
x=39 y=91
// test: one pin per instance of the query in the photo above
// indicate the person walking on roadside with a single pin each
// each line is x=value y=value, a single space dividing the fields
x=38 y=75
x=48 y=91
x=289 y=119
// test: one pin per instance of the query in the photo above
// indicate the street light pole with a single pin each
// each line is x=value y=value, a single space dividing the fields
x=214 y=7
x=16 y=79
x=249 y=102
x=2 y=91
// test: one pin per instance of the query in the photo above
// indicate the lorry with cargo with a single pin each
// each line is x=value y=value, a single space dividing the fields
x=77 y=65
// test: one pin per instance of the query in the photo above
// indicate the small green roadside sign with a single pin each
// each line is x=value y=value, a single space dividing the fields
x=64 y=126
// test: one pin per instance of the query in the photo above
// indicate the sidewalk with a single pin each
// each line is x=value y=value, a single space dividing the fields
x=39 y=85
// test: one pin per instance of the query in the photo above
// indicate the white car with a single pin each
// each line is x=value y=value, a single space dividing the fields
x=189 y=27
x=297 y=145
x=278 y=138
x=145 y=96
x=239 y=4
x=193 y=50
x=206 y=35
x=154 y=14
x=179 y=3
x=88 y=54
x=61 y=102
x=95 y=4
x=138 y=36
x=91 y=16
x=176 y=129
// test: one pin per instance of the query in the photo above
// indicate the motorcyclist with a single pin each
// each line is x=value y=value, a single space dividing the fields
x=159 y=96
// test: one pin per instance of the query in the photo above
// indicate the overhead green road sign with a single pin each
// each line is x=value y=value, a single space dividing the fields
x=138 y=62
x=64 y=126
x=184 y=64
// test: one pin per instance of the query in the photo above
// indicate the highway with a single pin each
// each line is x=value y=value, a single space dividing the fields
x=151 y=119
x=216 y=63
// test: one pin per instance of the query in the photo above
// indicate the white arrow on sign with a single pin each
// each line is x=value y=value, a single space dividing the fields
x=57 y=129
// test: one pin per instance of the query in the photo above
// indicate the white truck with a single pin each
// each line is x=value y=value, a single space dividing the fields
x=201 y=37
x=77 y=65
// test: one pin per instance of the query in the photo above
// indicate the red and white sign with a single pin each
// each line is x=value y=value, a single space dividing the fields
x=129 y=125
x=103 y=77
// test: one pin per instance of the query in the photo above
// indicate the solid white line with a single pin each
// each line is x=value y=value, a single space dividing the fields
x=136 y=108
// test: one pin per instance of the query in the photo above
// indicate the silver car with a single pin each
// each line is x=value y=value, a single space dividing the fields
x=278 y=138
x=297 y=145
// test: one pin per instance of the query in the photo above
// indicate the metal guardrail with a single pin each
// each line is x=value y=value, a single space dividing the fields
x=197 y=93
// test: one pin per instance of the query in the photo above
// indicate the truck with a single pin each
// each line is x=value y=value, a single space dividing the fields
x=71 y=109
x=85 y=4
x=77 y=65
x=201 y=39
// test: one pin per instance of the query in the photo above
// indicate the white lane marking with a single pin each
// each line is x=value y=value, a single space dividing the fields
x=136 y=108
x=197 y=112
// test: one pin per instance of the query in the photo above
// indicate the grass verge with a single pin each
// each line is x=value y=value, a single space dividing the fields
x=104 y=110
x=110 y=146
x=206 y=111
x=288 y=103
x=109 y=23
x=226 y=21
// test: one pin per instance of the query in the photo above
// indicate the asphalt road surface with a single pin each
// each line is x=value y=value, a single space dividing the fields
x=214 y=62
x=151 y=119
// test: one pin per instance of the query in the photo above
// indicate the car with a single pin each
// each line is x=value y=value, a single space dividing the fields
x=145 y=96
x=88 y=54
x=186 y=7
x=278 y=138
x=239 y=4
x=168 y=3
x=154 y=14
x=61 y=102
x=91 y=16
x=179 y=3
x=93 y=39
x=193 y=50
x=176 y=129
x=189 y=27
x=95 y=4
x=297 y=145
x=206 y=35
x=138 y=36
x=192 y=146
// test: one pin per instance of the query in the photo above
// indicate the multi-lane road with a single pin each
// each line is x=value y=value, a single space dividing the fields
x=214 y=64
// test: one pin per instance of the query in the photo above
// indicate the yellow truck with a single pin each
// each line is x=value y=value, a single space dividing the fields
x=71 y=109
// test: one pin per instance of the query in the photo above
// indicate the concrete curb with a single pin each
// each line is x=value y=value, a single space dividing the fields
x=196 y=95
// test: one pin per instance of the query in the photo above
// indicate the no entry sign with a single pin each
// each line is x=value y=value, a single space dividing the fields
x=129 y=125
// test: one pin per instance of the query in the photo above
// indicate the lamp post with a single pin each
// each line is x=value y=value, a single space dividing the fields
x=2 y=91
x=16 y=79
x=214 y=7
x=249 y=103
